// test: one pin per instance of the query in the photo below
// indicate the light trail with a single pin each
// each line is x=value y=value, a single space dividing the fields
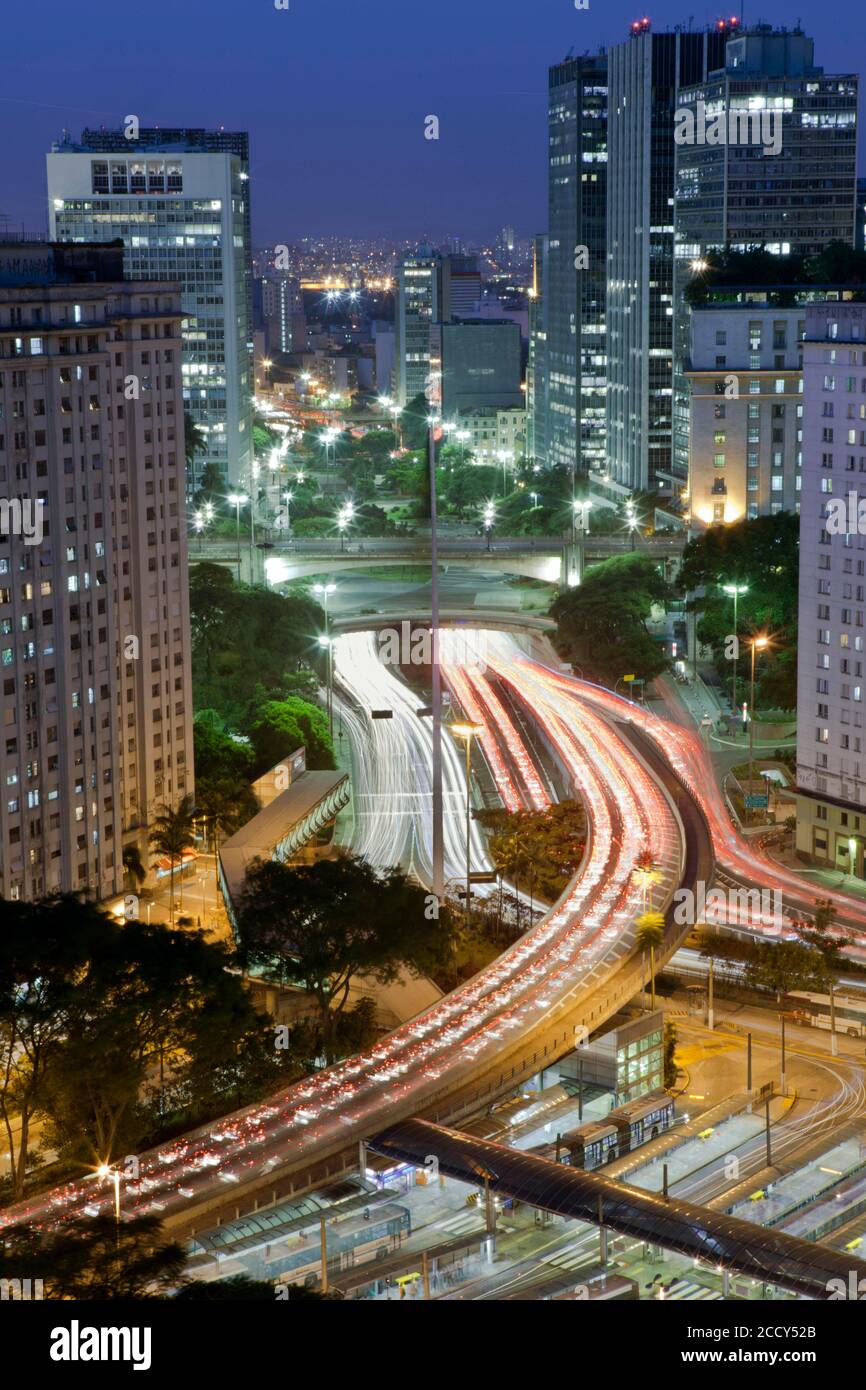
x=580 y=944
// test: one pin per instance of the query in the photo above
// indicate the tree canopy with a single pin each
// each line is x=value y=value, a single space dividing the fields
x=601 y=623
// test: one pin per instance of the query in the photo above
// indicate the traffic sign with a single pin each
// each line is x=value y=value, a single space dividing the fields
x=756 y=802
x=628 y=678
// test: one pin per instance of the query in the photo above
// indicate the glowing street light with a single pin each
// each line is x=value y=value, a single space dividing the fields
x=238 y=500
x=758 y=645
x=735 y=590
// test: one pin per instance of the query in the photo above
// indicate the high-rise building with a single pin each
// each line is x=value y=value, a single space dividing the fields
x=179 y=200
x=831 y=762
x=418 y=307
x=573 y=393
x=766 y=156
x=537 y=372
x=283 y=313
x=645 y=75
x=479 y=363
x=745 y=383
x=94 y=609
x=432 y=289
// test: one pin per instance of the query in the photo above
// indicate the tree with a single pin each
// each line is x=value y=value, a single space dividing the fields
x=649 y=933
x=284 y=725
x=671 y=1070
x=95 y=1258
x=43 y=948
x=601 y=623
x=173 y=832
x=783 y=966
x=194 y=440
x=134 y=869
x=763 y=554
x=325 y=924
x=226 y=804
x=546 y=845
x=238 y=1287
x=147 y=1000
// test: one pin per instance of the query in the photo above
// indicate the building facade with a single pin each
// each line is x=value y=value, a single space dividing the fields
x=480 y=365
x=94 y=608
x=831 y=763
x=645 y=76
x=746 y=410
x=537 y=371
x=783 y=177
x=575 y=282
x=179 y=200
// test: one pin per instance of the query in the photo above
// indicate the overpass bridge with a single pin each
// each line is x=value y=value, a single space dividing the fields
x=554 y=561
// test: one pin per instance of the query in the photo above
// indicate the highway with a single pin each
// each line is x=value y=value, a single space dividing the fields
x=580 y=950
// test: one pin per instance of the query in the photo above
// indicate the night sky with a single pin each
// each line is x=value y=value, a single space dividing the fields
x=334 y=94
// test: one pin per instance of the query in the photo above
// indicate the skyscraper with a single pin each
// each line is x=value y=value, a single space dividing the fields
x=778 y=172
x=179 y=200
x=574 y=286
x=831 y=762
x=432 y=289
x=537 y=372
x=645 y=74
x=94 y=610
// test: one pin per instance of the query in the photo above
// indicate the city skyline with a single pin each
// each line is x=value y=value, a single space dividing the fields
x=338 y=80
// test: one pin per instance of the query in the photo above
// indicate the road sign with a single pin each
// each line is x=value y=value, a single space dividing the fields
x=628 y=678
x=757 y=803
x=483 y=878
x=381 y=714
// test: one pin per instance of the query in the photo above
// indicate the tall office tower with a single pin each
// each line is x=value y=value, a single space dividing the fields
x=283 y=313
x=432 y=288
x=645 y=75
x=418 y=307
x=461 y=286
x=505 y=246
x=574 y=288
x=831 y=764
x=860 y=230
x=783 y=176
x=537 y=372
x=94 y=612
x=179 y=199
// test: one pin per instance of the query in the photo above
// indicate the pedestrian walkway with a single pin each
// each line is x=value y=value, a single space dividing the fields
x=821 y=878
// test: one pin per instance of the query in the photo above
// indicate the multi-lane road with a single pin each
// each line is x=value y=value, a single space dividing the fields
x=576 y=964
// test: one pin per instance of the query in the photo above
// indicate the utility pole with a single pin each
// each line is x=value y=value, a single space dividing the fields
x=783 y=1056
x=834 y=1039
x=710 y=1022
x=769 y=1145
x=749 y=1063
x=438 y=884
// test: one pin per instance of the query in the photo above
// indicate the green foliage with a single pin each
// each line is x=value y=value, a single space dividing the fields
x=246 y=642
x=764 y=554
x=321 y=925
x=836 y=264
x=782 y=966
x=218 y=757
x=541 y=847
x=95 y=1258
x=96 y=1017
x=671 y=1070
x=281 y=726
x=601 y=624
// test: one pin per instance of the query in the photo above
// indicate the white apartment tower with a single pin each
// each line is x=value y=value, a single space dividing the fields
x=831 y=761
x=94 y=617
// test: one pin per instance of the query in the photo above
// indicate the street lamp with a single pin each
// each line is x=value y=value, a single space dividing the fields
x=328 y=643
x=287 y=498
x=238 y=500
x=758 y=644
x=488 y=519
x=735 y=590
x=198 y=525
x=468 y=731
x=579 y=509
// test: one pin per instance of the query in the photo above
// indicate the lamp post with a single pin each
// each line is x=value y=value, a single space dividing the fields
x=326 y=641
x=467 y=732
x=735 y=590
x=287 y=498
x=238 y=500
x=758 y=644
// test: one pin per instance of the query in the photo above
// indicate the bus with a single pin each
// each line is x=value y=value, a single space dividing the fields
x=642 y=1120
x=598 y=1142
x=814 y=1009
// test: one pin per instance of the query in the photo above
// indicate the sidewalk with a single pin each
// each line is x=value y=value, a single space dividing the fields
x=834 y=879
